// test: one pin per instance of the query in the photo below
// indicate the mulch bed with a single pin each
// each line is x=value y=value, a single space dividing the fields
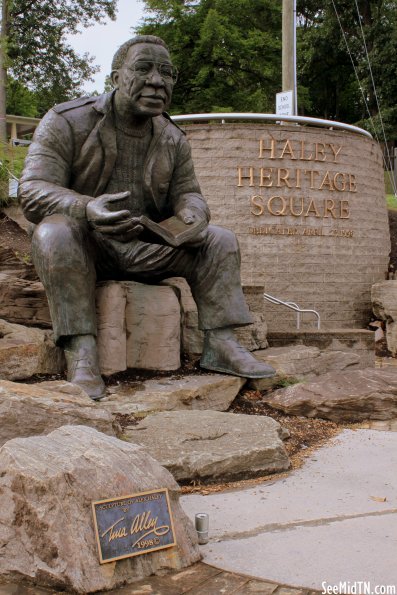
x=304 y=432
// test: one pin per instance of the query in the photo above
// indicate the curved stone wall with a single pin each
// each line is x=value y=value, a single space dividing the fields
x=308 y=207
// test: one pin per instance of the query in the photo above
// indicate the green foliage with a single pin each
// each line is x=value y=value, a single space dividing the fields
x=16 y=157
x=38 y=56
x=389 y=182
x=229 y=56
x=287 y=381
x=391 y=201
x=228 y=52
x=20 y=100
x=4 y=176
x=325 y=67
x=11 y=162
x=108 y=85
x=24 y=256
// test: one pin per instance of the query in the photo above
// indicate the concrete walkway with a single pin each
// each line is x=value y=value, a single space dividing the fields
x=333 y=520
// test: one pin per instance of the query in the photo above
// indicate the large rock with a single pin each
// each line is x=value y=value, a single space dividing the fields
x=192 y=338
x=138 y=327
x=298 y=361
x=153 y=323
x=22 y=296
x=32 y=409
x=23 y=300
x=384 y=305
x=46 y=526
x=14 y=263
x=27 y=351
x=212 y=446
x=111 y=301
x=212 y=391
x=342 y=396
x=252 y=336
x=15 y=213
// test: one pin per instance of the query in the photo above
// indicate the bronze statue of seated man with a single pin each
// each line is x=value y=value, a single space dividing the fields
x=95 y=166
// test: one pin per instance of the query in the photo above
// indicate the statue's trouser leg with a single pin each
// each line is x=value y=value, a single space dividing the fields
x=215 y=282
x=65 y=264
x=64 y=253
x=212 y=271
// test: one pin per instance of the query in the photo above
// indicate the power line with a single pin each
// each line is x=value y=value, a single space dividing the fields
x=387 y=164
x=355 y=70
x=376 y=96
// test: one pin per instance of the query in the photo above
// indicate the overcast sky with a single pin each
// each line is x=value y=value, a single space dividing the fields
x=102 y=41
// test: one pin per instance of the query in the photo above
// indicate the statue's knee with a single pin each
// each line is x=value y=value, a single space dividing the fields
x=224 y=239
x=54 y=232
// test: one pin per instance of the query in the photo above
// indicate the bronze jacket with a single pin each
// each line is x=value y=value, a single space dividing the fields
x=73 y=152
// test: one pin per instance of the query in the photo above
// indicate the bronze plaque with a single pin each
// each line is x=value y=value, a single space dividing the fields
x=133 y=525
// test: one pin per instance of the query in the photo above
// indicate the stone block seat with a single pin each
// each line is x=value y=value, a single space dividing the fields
x=139 y=326
x=149 y=326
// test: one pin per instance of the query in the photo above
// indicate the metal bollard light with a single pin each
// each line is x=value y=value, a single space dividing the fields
x=202 y=521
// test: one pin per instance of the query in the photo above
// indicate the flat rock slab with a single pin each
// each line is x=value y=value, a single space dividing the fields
x=299 y=361
x=32 y=409
x=355 y=395
x=212 y=446
x=213 y=391
x=47 y=534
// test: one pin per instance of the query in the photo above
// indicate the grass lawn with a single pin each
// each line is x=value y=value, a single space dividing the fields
x=391 y=202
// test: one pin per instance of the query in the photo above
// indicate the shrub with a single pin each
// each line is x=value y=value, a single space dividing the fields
x=11 y=164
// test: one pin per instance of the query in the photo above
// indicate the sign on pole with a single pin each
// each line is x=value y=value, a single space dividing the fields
x=285 y=103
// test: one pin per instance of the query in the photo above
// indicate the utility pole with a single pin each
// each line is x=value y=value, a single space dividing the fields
x=289 y=49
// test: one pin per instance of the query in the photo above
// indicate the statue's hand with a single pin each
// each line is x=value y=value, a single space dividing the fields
x=118 y=224
x=190 y=216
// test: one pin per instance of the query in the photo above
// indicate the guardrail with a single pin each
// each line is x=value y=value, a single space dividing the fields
x=295 y=307
x=303 y=120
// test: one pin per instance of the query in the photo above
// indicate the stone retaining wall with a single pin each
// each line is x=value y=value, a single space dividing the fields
x=308 y=207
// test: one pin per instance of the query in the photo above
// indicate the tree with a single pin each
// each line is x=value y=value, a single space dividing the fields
x=20 y=100
x=228 y=52
x=34 y=51
x=229 y=56
x=326 y=73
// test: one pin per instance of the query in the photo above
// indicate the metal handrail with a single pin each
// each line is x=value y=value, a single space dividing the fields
x=272 y=117
x=295 y=307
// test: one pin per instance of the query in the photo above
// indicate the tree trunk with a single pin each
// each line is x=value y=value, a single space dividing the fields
x=3 y=72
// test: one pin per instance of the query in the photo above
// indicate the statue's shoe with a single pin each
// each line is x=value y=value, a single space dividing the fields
x=226 y=355
x=83 y=366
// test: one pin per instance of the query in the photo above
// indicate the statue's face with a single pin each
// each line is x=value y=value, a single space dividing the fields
x=145 y=81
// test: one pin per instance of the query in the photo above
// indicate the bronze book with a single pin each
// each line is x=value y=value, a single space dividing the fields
x=171 y=232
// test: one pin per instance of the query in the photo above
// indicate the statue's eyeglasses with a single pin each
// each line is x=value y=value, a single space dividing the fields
x=143 y=68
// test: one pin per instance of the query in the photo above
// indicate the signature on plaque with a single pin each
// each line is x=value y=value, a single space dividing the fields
x=133 y=525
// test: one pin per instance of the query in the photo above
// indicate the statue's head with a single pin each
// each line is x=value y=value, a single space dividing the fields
x=143 y=75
